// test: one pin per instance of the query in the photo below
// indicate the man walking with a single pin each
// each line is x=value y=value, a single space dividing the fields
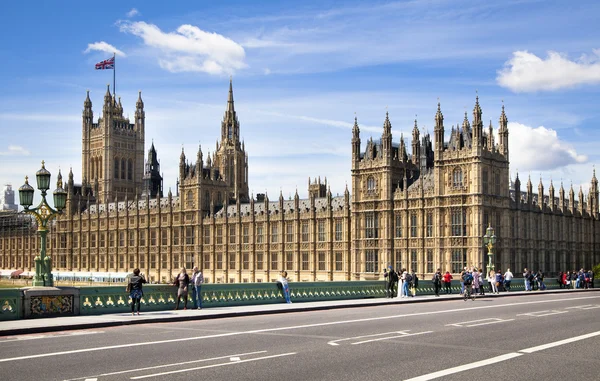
x=508 y=276
x=437 y=282
x=197 y=280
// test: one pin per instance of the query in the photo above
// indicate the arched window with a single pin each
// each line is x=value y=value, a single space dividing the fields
x=123 y=169
x=99 y=173
x=230 y=132
x=130 y=169
x=206 y=200
x=93 y=169
x=370 y=184
x=116 y=168
x=190 y=199
x=457 y=178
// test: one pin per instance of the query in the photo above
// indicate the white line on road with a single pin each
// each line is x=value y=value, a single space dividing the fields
x=561 y=342
x=91 y=379
x=543 y=313
x=392 y=337
x=129 y=345
x=212 y=366
x=167 y=365
x=479 y=322
x=493 y=360
x=50 y=335
x=584 y=307
x=335 y=342
x=462 y=368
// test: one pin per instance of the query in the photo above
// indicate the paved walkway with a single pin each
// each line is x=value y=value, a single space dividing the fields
x=28 y=326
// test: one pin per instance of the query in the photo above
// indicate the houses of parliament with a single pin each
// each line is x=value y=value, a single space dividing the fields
x=422 y=210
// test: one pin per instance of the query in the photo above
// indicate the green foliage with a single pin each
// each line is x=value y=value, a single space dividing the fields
x=596 y=271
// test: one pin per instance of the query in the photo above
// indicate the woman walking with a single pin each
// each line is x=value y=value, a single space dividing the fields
x=492 y=280
x=447 y=282
x=182 y=281
x=134 y=286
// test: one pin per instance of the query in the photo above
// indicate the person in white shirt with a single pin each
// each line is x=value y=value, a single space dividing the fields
x=285 y=285
x=507 y=279
x=197 y=280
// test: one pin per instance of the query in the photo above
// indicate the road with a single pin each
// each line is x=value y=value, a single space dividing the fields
x=541 y=337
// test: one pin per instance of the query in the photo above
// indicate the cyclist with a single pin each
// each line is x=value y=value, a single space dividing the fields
x=467 y=278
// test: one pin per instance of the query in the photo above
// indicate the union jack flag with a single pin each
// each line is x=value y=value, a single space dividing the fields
x=106 y=64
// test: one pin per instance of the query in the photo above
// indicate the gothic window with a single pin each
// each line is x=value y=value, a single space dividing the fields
x=305 y=262
x=232 y=234
x=206 y=200
x=259 y=261
x=338 y=230
x=457 y=178
x=321 y=231
x=370 y=184
x=339 y=264
x=289 y=232
x=430 y=261
x=413 y=225
x=398 y=226
x=371 y=225
x=458 y=260
x=99 y=172
x=259 y=233
x=413 y=261
x=219 y=198
x=321 y=261
x=230 y=132
x=429 y=225
x=274 y=261
x=246 y=233
x=123 y=169
x=130 y=169
x=219 y=235
x=497 y=185
x=371 y=261
x=305 y=232
x=459 y=227
x=484 y=181
x=231 y=172
x=274 y=233
x=190 y=199
x=116 y=168
x=289 y=260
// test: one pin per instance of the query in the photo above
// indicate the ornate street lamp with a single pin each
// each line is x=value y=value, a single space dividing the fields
x=489 y=240
x=43 y=215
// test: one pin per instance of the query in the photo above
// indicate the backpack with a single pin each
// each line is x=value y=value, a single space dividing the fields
x=467 y=278
x=409 y=278
x=435 y=279
x=415 y=281
x=394 y=276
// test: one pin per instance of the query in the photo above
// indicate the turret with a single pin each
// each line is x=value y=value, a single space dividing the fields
x=477 y=124
x=529 y=191
x=403 y=154
x=561 y=197
x=108 y=103
x=182 y=165
x=199 y=163
x=541 y=194
x=503 y=134
x=140 y=114
x=416 y=147
x=581 y=200
x=571 y=199
x=355 y=141
x=594 y=196
x=439 y=131
x=88 y=114
x=551 y=196
x=386 y=137
x=490 y=139
x=518 y=191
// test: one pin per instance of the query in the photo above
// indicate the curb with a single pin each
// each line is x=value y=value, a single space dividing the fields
x=232 y=314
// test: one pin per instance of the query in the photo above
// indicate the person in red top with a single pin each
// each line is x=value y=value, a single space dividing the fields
x=447 y=278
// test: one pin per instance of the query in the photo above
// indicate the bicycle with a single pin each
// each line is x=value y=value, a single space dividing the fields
x=468 y=293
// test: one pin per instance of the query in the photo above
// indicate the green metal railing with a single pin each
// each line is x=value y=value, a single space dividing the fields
x=114 y=299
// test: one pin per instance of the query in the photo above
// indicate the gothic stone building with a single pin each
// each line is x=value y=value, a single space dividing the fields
x=422 y=211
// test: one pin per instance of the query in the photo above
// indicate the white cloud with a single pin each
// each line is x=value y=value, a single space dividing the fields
x=190 y=49
x=104 y=47
x=133 y=12
x=540 y=149
x=15 y=151
x=528 y=72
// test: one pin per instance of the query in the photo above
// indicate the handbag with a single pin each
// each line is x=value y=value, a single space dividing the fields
x=128 y=288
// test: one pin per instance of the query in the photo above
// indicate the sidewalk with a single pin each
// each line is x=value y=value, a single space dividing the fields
x=29 y=326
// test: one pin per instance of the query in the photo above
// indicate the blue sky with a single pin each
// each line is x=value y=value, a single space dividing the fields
x=300 y=72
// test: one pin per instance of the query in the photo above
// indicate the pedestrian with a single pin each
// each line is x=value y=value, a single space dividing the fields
x=492 y=280
x=134 y=287
x=447 y=282
x=476 y=283
x=481 y=282
x=526 y=275
x=285 y=286
x=182 y=281
x=437 y=282
x=414 y=284
x=393 y=283
x=405 y=280
x=508 y=276
x=197 y=280
x=462 y=282
x=540 y=280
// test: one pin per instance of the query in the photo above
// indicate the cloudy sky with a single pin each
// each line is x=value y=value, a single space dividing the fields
x=300 y=72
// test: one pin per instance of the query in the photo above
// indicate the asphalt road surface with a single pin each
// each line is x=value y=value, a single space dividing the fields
x=533 y=338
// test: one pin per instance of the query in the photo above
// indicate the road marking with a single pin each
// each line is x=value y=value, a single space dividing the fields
x=585 y=307
x=505 y=357
x=167 y=365
x=462 y=368
x=479 y=322
x=561 y=342
x=91 y=379
x=129 y=345
x=543 y=313
x=393 y=337
x=335 y=342
x=49 y=336
x=212 y=366
x=234 y=359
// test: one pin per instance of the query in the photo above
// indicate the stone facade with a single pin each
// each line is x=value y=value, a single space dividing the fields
x=422 y=211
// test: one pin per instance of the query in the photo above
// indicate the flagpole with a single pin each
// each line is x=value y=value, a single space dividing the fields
x=115 y=76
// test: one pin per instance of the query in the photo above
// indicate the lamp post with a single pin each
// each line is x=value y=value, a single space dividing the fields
x=43 y=214
x=489 y=240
